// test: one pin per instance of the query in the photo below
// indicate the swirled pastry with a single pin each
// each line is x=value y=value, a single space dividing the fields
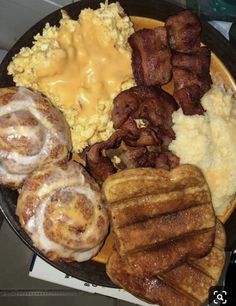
x=61 y=209
x=32 y=132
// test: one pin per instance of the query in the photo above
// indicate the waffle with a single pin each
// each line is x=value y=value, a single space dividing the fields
x=150 y=207
x=187 y=284
x=169 y=249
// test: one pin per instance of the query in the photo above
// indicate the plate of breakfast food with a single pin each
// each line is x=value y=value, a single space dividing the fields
x=117 y=151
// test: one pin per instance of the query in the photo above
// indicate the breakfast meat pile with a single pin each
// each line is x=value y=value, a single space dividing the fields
x=169 y=246
x=151 y=56
x=153 y=105
x=142 y=115
x=190 y=62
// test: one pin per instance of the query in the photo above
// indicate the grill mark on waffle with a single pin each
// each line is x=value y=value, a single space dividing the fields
x=179 y=290
x=164 y=228
x=152 y=190
x=159 y=248
x=196 y=267
x=171 y=254
x=156 y=205
x=216 y=254
x=159 y=244
x=189 y=275
x=143 y=182
x=153 y=287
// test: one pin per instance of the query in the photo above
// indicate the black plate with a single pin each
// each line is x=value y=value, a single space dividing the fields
x=91 y=271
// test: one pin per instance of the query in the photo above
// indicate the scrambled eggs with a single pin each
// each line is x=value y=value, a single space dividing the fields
x=80 y=66
x=209 y=142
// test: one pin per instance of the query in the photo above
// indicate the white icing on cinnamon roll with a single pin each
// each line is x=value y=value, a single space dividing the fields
x=61 y=208
x=32 y=132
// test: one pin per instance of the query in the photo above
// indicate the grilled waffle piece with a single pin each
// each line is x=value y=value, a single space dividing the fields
x=149 y=207
x=211 y=263
x=187 y=284
x=171 y=254
x=137 y=182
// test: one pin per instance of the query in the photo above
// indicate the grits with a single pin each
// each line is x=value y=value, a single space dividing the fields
x=209 y=142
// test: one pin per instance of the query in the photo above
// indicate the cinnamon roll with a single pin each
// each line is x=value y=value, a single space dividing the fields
x=32 y=132
x=61 y=209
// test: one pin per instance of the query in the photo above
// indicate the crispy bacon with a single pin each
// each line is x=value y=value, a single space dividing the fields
x=138 y=157
x=145 y=137
x=98 y=165
x=189 y=69
x=150 y=103
x=137 y=137
x=125 y=104
x=141 y=157
x=191 y=79
x=198 y=62
x=183 y=32
x=151 y=56
x=166 y=160
x=188 y=98
x=184 y=78
x=133 y=154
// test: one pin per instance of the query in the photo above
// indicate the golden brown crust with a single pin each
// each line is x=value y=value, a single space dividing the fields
x=164 y=249
x=143 y=181
x=186 y=284
x=150 y=289
x=149 y=207
x=213 y=263
x=160 y=259
x=164 y=228
x=191 y=281
x=146 y=206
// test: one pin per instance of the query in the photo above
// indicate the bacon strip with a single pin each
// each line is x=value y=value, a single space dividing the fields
x=188 y=98
x=98 y=165
x=191 y=79
x=151 y=56
x=184 y=32
x=150 y=103
x=198 y=62
x=191 y=63
x=141 y=157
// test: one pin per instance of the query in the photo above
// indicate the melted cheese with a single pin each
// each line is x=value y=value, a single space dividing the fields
x=87 y=68
x=81 y=65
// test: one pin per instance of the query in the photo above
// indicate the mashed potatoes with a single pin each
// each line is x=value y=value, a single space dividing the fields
x=209 y=142
x=80 y=66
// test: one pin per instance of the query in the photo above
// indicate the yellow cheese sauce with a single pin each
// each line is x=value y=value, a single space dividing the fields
x=87 y=68
x=81 y=65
